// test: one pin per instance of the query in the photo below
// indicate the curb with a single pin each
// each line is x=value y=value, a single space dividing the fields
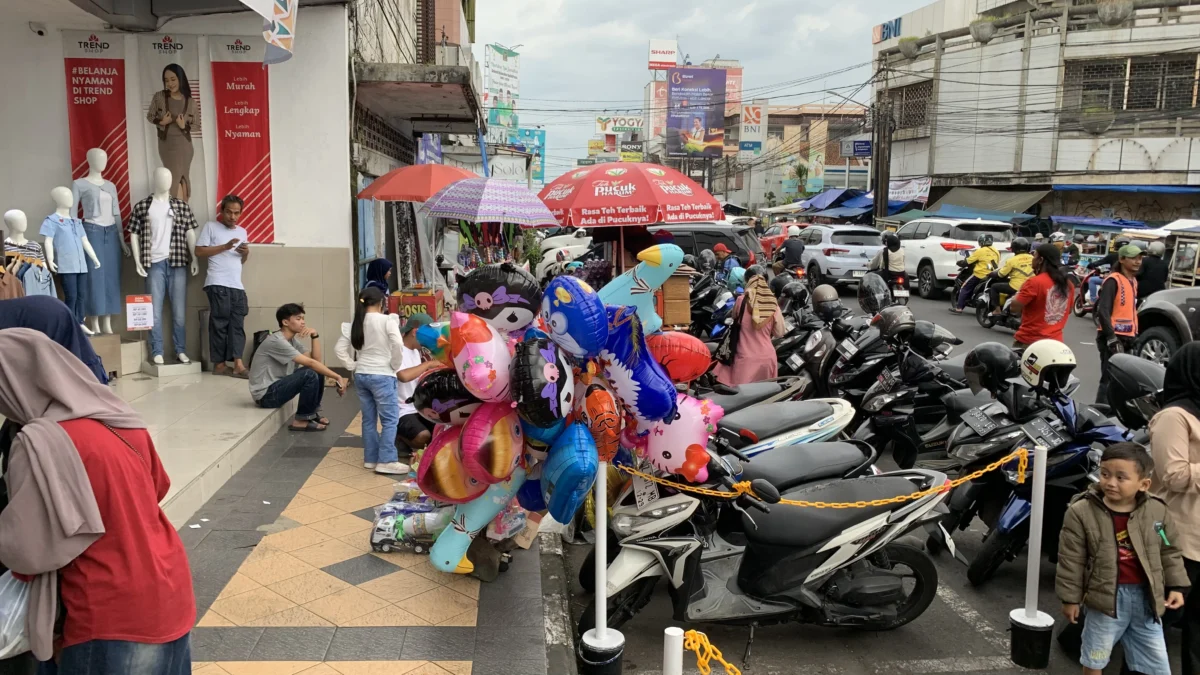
x=560 y=633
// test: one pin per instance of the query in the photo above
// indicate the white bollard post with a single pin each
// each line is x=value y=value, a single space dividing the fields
x=601 y=649
x=673 y=651
x=1031 y=629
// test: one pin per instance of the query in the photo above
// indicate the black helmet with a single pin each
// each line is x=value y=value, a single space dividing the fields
x=690 y=260
x=793 y=296
x=895 y=323
x=891 y=241
x=1020 y=245
x=989 y=366
x=985 y=239
x=873 y=294
x=928 y=336
x=707 y=260
x=755 y=271
x=1121 y=241
x=826 y=302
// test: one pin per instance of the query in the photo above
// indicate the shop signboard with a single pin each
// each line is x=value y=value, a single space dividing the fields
x=754 y=130
x=616 y=124
x=818 y=136
x=590 y=161
x=534 y=141
x=695 y=112
x=909 y=190
x=664 y=54
x=595 y=146
x=95 y=68
x=658 y=108
x=429 y=149
x=632 y=151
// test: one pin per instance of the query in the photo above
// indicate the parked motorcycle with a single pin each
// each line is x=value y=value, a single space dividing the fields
x=712 y=303
x=1134 y=387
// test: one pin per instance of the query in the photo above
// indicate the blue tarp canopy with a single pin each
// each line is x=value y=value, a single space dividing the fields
x=829 y=198
x=868 y=200
x=1162 y=189
x=955 y=211
x=841 y=212
x=1101 y=223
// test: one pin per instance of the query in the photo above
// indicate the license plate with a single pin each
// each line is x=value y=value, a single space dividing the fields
x=645 y=492
x=858 y=274
x=1041 y=433
x=887 y=380
x=795 y=363
x=789 y=325
x=900 y=293
x=979 y=421
x=847 y=348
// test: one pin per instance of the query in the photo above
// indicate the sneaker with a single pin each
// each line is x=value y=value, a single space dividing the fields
x=369 y=465
x=393 y=468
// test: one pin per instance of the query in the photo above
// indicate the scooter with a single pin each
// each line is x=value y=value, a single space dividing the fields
x=983 y=307
x=711 y=304
x=1083 y=303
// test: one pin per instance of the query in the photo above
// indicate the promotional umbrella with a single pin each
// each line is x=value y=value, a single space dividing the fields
x=628 y=193
x=413 y=183
x=489 y=200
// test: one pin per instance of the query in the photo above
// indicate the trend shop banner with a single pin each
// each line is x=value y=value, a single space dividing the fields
x=241 y=97
x=95 y=64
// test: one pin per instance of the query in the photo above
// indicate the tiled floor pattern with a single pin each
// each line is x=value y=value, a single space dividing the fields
x=333 y=668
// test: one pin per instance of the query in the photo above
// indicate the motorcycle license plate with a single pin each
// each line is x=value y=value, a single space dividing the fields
x=847 y=348
x=979 y=421
x=858 y=274
x=1041 y=433
x=645 y=492
x=887 y=380
x=789 y=325
x=900 y=293
x=795 y=363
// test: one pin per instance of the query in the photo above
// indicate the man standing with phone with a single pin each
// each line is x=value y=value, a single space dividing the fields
x=224 y=243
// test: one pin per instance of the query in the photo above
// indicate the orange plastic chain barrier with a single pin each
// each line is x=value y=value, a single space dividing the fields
x=695 y=641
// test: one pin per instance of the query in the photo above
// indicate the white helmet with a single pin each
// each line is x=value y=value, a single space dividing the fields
x=1058 y=236
x=793 y=231
x=1047 y=364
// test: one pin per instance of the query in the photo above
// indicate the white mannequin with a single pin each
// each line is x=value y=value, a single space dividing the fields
x=15 y=224
x=162 y=193
x=97 y=160
x=63 y=202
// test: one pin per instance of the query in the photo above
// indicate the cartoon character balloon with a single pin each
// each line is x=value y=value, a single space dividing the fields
x=441 y=397
x=442 y=475
x=481 y=356
x=680 y=447
x=542 y=382
x=492 y=443
x=569 y=472
x=574 y=317
x=598 y=409
x=503 y=295
x=685 y=357
x=435 y=337
x=630 y=368
x=530 y=495
x=636 y=287
x=470 y=519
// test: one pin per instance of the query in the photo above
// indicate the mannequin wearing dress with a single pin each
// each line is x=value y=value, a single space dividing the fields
x=68 y=251
x=24 y=258
x=97 y=199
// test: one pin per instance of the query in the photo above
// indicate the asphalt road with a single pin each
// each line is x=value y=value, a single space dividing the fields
x=965 y=630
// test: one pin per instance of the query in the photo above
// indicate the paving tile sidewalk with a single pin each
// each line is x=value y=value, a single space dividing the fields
x=286 y=581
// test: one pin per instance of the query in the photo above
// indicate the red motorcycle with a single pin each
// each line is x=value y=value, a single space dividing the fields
x=1083 y=304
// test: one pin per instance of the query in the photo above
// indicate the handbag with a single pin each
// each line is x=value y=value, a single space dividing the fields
x=729 y=343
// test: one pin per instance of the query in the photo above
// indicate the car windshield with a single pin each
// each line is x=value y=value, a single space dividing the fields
x=856 y=237
x=750 y=241
x=971 y=232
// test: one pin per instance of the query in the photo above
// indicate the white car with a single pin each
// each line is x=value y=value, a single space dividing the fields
x=933 y=247
x=838 y=254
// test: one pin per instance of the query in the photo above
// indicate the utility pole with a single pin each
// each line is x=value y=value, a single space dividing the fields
x=882 y=125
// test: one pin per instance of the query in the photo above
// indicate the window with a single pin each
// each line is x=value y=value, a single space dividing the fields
x=939 y=230
x=910 y=104
x=1139 y=87
x=922 y=231
x=907 y=231
x=774 y=230
x=972 y=232
x=685 y=241
x=856 y=238
x=812 y=236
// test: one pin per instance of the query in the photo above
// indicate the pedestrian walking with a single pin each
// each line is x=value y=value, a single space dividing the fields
x=983 y=259
x=1175 y=446
x=1118 y=554
x=1044 y=300
x=1116 y=312
x=757 y=320
x=226 y=246
x=84 y=527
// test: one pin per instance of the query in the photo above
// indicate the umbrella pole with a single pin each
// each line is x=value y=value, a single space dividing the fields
x=621 y=252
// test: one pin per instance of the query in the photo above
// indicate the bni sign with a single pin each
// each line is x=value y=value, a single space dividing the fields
x=885 y=31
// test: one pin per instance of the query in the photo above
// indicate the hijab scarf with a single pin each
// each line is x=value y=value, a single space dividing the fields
x=1181 y=383
x=52 y=515
x=377 y=271
x=763 y=304
x=50 y=316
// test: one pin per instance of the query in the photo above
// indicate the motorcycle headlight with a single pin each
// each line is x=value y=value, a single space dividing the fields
x=970 y=452
x=813 y=341
x=877 y=403
x=625 y=524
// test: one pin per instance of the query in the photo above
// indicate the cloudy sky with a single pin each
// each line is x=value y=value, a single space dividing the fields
x=579 y=57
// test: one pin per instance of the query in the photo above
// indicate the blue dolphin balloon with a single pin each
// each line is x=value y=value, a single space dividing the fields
x=470 y=519
x=574 y=315
x=639 y=381
x=636 y=287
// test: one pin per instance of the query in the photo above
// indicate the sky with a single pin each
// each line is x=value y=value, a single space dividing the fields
x=579 y=57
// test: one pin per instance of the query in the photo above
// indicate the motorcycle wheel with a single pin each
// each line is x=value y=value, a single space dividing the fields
x=1080 y=309
x=923 y=571
x=621 y=607
x=997 y=548
x=983 y=315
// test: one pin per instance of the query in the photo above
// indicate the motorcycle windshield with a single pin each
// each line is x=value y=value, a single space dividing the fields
x=914 y=368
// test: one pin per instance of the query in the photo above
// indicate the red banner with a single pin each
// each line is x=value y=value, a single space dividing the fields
x=242 y=99
x=95 y=65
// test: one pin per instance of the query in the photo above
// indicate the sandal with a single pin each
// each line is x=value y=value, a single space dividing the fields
x=955 y=310
x=312 y=425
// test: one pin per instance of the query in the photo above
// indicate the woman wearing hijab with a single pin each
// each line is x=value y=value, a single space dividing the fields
x=757 y=318
x=47 y=314
x=1175 y=446
x=379 y=271
x=83 y=524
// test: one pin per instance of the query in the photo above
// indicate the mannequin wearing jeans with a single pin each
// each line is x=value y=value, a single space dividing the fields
x=102 y=222
x=66 y=246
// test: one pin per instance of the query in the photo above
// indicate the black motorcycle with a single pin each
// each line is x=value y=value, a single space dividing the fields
x=982 y=301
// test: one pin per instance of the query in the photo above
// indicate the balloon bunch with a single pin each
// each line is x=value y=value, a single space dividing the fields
x=540 y=387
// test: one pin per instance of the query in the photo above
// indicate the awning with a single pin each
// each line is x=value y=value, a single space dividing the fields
x=1102 y=223
x=955 y=211
x=830 y=197
x=785 y=208
x=1162 y=189
x=841 y=212
x=990 y=200
x=868 y=200
x=432 y=98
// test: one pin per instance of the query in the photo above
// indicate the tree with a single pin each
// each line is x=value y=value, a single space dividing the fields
x=801 y=173
x=770 y=196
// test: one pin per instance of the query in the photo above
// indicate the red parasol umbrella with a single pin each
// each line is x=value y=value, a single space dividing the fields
x=628 y=193
x=413 y=183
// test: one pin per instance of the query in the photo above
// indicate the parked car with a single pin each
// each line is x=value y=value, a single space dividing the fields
x=1166 y=321
x=933 y=247
x=696 y=237
x=838 y=254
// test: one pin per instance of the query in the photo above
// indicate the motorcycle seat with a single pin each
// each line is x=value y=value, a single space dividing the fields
x=803 y=526
x=773 y=419
x=962 y=400
x=953 y=367
x=746 y=396
x=792 y=467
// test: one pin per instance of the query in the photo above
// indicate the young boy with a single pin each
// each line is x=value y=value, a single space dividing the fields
x=413 y=430
x=1116 y=554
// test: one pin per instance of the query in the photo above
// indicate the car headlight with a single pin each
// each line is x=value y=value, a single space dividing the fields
x=625 y=524
x=877 y=403
x=970 y=452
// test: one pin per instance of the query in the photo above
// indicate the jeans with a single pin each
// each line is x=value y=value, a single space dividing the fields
x=377 y=393
x=117 y=657
x=306 y=384
x=1094 y=288
x=228 y=308
x=162 y=281
x=1136 y=627
x=74 y=292
x=968 y=289
x=104 y=283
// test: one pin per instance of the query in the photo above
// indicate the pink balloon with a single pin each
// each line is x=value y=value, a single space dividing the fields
x=441 y=474
x=481 y=357
x=493 y=445
x=681 y=446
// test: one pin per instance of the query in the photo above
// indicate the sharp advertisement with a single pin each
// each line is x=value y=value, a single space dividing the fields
x=695 y=112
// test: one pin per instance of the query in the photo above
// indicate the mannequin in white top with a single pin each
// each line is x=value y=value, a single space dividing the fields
x=160 y=224
x=68 y=227
x=162 y=195
x=97 y=160
x=16 y=224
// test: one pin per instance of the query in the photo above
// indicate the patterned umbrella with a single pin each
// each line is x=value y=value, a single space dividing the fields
x=489 y=200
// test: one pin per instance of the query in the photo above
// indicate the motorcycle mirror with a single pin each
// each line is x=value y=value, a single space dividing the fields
x=748 y=435
x=765 y=491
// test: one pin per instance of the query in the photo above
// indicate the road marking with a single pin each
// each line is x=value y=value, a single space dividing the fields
x=1086 y=343
x=968 y=614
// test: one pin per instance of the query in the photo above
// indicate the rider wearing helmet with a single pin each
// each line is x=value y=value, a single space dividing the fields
x=985 y=259
x=1016 y=270
x=1046 y=366
x=1110 y=260
x=889 y=261
x=1059 y=240
x=989 y=366
x=826 y=302
x=1153 y=276
x=792 y=250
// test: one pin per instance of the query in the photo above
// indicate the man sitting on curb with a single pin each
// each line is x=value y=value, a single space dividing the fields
x=275 y=379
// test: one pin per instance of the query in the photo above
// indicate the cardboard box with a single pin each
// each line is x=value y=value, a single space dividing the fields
x=412 y=300
x=108 y=348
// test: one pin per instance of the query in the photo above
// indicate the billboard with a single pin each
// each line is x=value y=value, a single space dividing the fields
x=534 y=141
x=695 y=112
x=595 y=147
x=616 y=124
x=818 y=136
x=503 y=68
x=733 y=90
x=753 y=133
x=632 y=151
x=590 y=161
x=658 y=108
x=663 y=54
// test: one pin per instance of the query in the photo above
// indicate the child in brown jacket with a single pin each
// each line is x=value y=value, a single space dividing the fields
x=1116 y=556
